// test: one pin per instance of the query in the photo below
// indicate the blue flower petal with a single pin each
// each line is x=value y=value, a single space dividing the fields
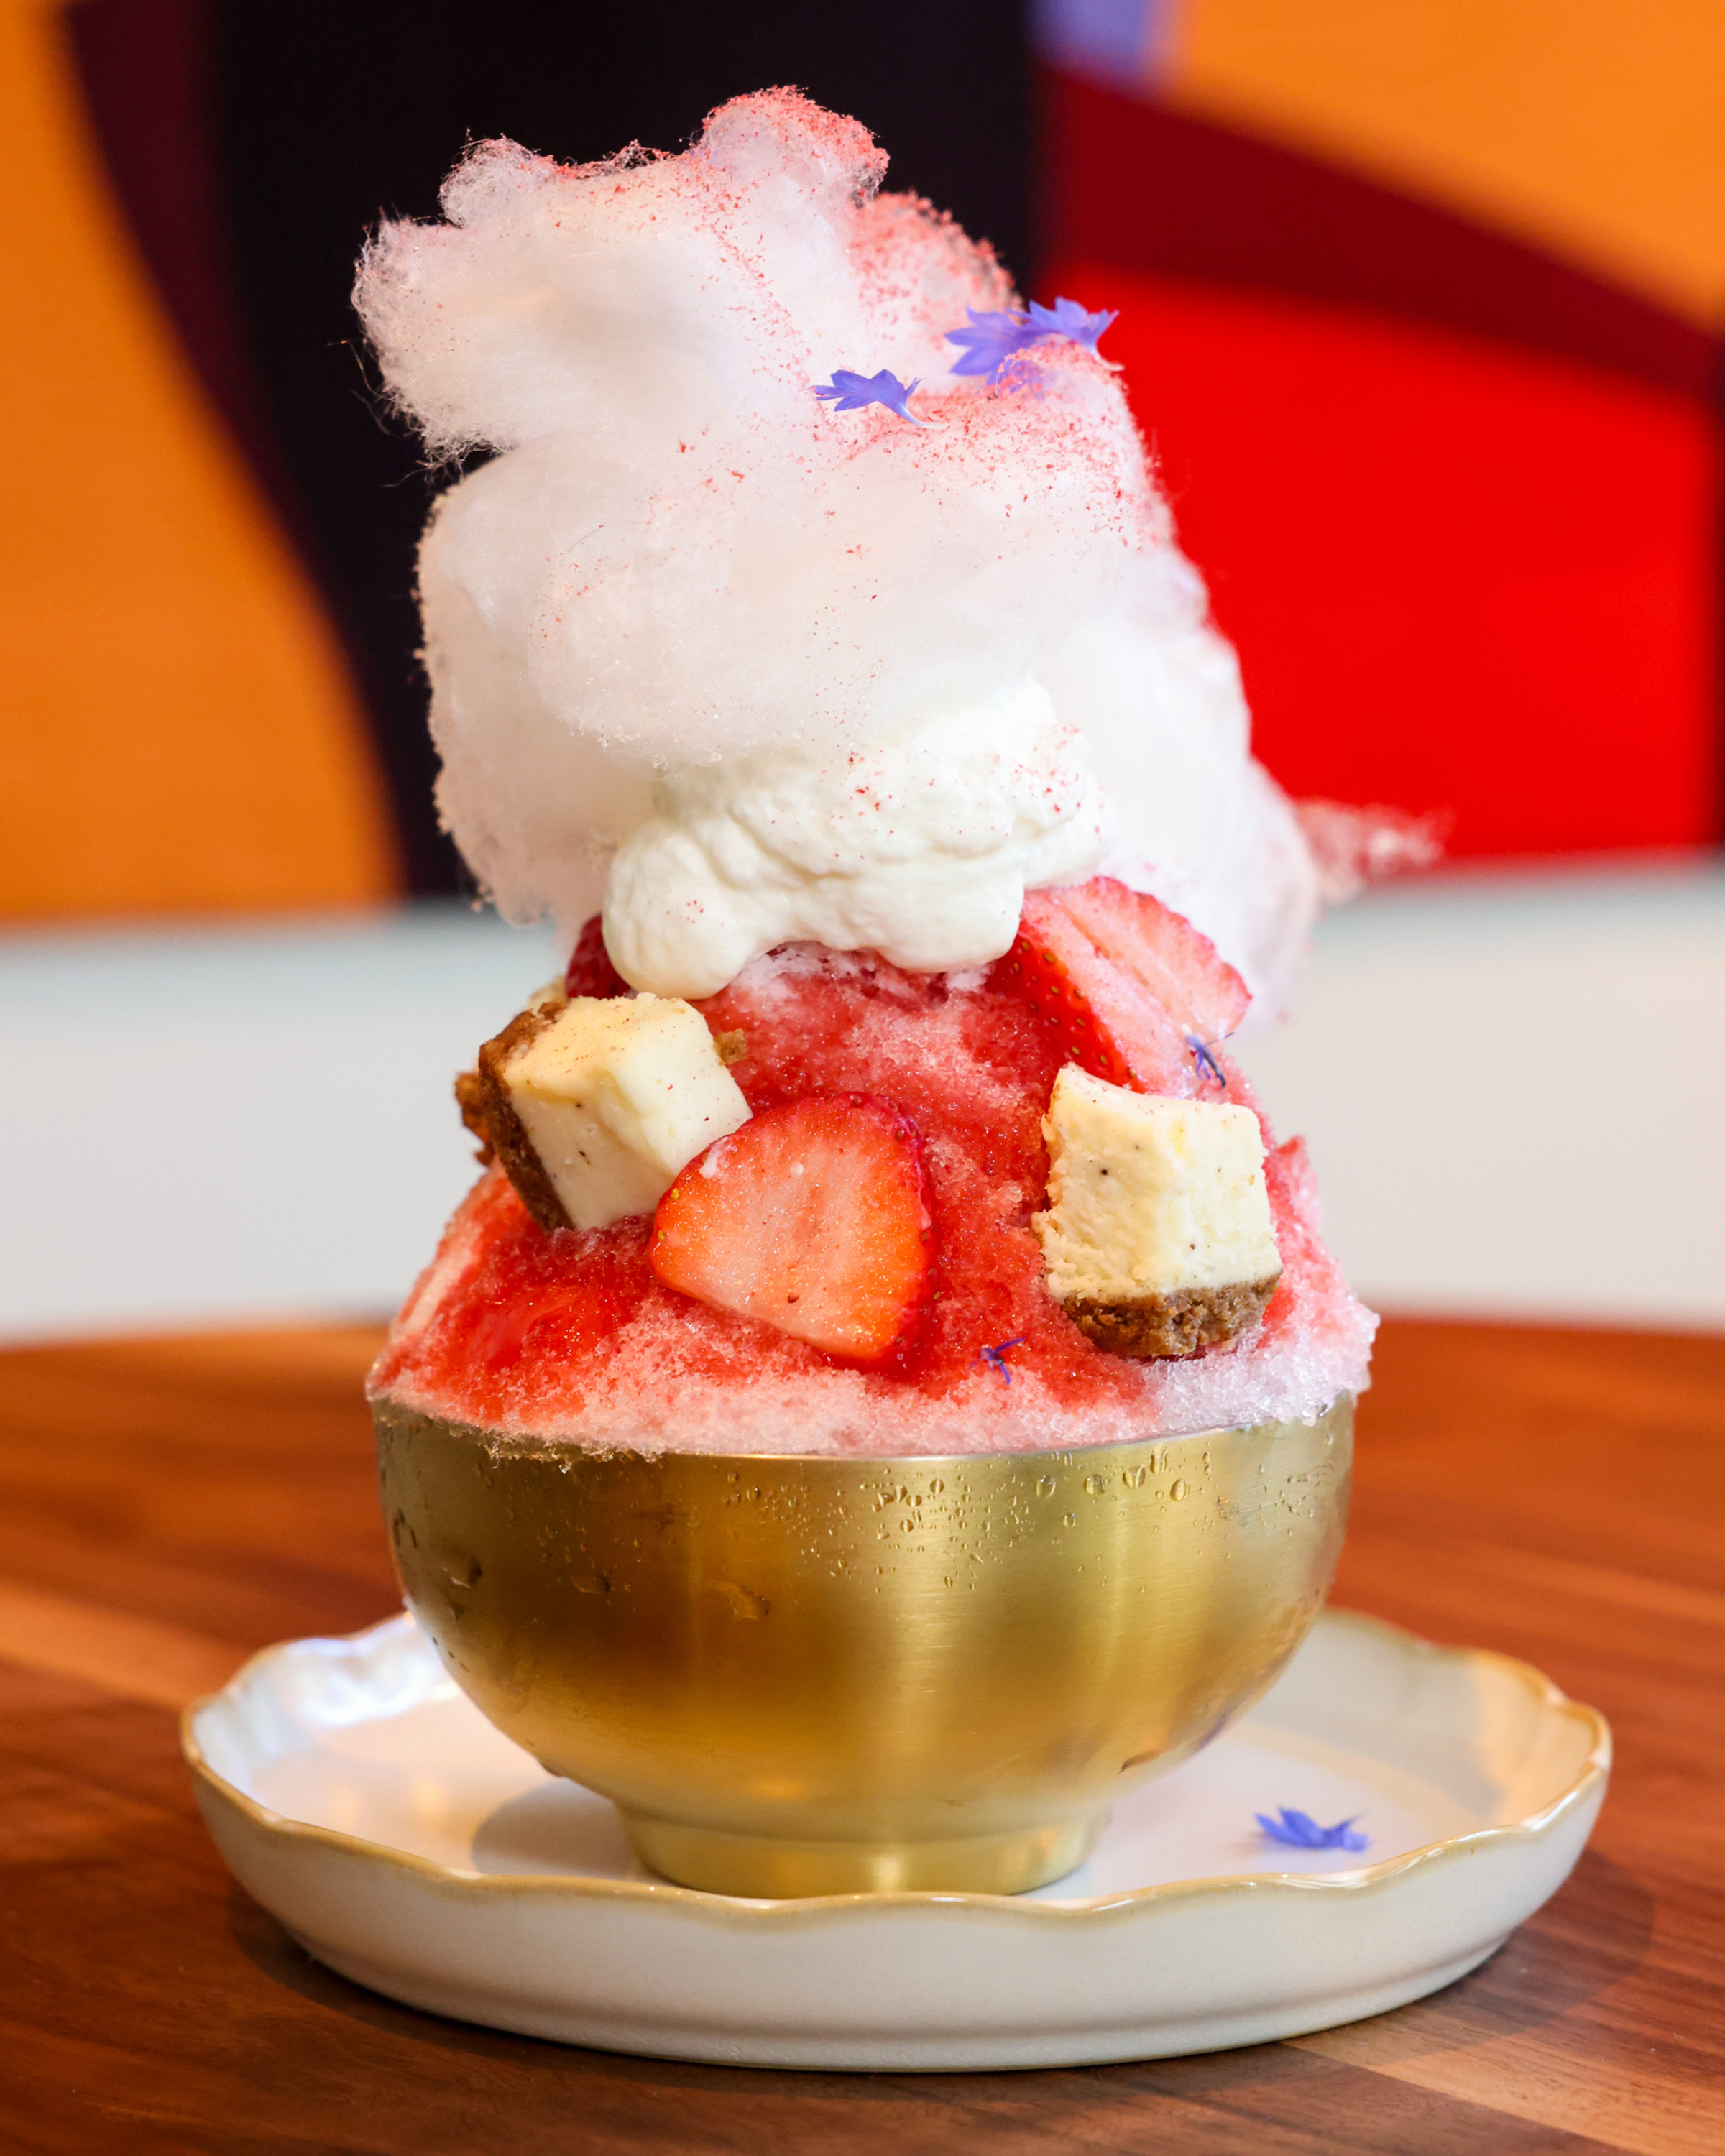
x=1066 y=318
x=849 y=393
x=1209 y=1070
x=995 y=1357
x=991 y=341
x=1298 y=1830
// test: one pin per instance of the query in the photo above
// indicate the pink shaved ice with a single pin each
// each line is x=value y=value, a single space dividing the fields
x=568 y=1339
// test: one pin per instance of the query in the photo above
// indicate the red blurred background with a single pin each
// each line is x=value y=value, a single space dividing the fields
x=1456 y=496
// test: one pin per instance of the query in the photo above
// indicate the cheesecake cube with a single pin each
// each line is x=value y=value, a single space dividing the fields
x=594 y=1106
x=1157 y=1238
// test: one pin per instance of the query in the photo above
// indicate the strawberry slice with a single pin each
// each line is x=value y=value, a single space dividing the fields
x=815 y=1218
x=1163 y=952
x=590 y=973
x=1135 y=994
x=1106 y=1022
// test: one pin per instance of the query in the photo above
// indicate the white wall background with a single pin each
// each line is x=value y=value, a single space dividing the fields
x=1514 y=1090
x=1513 y=1087
x=196 y=1127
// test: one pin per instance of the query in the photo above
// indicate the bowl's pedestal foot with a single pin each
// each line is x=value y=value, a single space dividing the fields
x=766 y=1867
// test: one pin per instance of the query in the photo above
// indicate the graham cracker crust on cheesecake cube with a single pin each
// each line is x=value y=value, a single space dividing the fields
x=1177 y=1323
x=486 y=1108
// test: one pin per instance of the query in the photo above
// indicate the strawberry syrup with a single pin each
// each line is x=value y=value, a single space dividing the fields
x=526 y=1322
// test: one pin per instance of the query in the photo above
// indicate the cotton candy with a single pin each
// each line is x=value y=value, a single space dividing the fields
x=677 y=561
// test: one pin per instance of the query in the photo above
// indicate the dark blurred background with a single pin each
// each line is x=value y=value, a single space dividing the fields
x=254 y=144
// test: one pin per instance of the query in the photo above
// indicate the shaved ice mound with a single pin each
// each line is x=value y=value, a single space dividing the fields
x=569 y=1339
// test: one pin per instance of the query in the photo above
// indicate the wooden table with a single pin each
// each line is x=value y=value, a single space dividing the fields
x=167 y=1505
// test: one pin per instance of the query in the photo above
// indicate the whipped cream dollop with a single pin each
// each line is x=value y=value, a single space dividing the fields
x=920 y=846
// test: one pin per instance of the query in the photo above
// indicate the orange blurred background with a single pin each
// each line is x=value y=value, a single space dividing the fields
x=180 y=733
x=1421 y=305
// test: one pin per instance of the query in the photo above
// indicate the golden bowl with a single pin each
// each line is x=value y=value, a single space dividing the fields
x=799 y=1675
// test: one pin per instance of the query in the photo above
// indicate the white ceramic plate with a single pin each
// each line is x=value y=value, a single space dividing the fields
x=401 y=1839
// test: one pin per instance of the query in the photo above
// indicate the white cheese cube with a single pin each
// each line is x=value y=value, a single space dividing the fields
x=1149 y=1196
x=616 y=1095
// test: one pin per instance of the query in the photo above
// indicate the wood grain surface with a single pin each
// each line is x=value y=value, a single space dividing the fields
x=167 y=1505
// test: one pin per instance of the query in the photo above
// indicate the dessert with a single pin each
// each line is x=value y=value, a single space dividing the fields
x=815 y=648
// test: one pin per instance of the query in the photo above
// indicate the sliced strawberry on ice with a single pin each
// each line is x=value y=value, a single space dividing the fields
x=1135 y=994
x=1163 y=952
x=815 y=1218
x=590 y=973
x=1105 y=1021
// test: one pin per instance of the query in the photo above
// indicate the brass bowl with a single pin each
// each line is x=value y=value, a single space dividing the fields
x=801 y=1675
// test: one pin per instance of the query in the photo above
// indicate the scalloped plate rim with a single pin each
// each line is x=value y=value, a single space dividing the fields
x=1537 y=1825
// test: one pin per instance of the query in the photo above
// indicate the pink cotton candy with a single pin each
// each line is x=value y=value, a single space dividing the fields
x=678 y=556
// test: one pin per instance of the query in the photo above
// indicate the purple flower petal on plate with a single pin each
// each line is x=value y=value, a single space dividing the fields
x=1298 y=1830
